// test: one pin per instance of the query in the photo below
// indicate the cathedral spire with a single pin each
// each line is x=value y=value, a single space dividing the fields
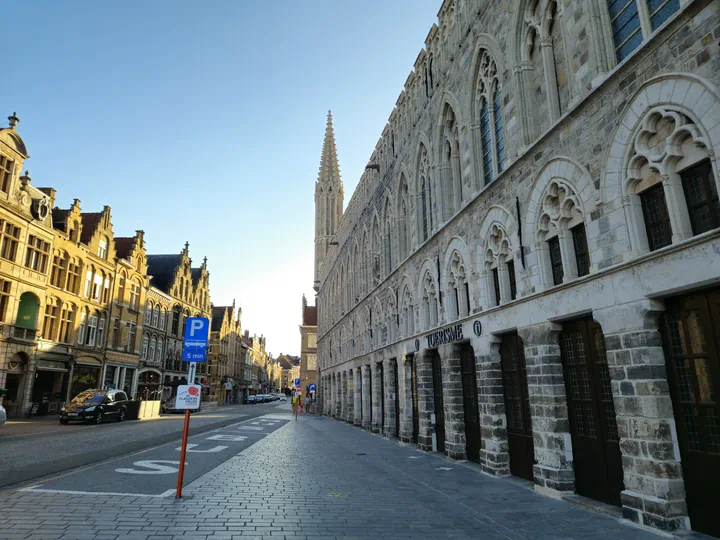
x=329 y=168
x=328 y=198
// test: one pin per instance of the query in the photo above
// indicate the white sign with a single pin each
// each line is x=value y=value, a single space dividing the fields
x=188 y=396
x=228 y=385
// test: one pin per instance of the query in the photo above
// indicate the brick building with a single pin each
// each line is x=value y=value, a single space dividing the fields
x=526 y=274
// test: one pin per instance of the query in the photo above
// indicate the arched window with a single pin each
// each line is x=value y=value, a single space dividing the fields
x=489 y=118
x=633 y=21
x=156 y=315
x=403 y=219
x=562 y=249
x=83 y=327
x=176 y=321
x=450 y=173
x=500 y=279
x=67 y=319
x=151 y=350
x=459 y=288
x=387 y=238
x=103 y=247
x=59 y=269
x=101 y=331
x=376 y=255
x=145 y=345
x=426 y=202
x=159 y=351
x=52 y=319
x=429 y=302
x=407 y=314
x=148 y=314
x=73 y=276
x=162 y=319
x=671 y=175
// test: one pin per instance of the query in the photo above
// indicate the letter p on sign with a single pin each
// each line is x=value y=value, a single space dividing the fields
x=195 y=324
x=196 y=334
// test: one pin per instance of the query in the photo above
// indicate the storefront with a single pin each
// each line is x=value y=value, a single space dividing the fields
x=50 y=385
x=149 y=386
x=120 y=377
x=85 y=374
x=15 y=383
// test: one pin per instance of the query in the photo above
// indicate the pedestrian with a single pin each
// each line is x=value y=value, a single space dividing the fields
x=294 y=403
x=307 y=403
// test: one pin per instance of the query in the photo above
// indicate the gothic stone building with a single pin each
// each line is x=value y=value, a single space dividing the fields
x=527 y=273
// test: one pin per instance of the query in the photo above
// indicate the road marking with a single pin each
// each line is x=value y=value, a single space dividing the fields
x=414 y=457
x=34 y=489
x=210 y=451
x=223 y=437
x=155 y=466
x=444 y=469
x=250 y=428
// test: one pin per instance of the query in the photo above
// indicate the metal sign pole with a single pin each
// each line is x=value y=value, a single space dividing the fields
x=181 y=472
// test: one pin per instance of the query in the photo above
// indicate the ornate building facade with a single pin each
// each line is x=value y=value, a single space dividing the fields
x=308 y=348
x=527 y=274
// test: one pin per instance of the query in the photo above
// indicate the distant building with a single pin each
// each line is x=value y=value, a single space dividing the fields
x=308 y=346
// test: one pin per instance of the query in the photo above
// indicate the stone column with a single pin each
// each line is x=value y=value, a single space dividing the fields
x=553 y=469
x=377 y=415
x=406 y=401
x=391 y=389
x=343 y=396
x=366 y=397
x=338 y=396
x=453 y=401
x=426 y=399
x=494 y=455
x=349 y=397
x=551 y=91
x=357 y=396
x=654 y=493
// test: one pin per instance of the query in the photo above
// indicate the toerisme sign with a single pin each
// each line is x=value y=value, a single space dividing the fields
x=444 y=336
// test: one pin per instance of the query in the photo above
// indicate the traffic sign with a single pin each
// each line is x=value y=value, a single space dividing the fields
x=197 y=330
x=188 y=396
x=194 y=356
x=311 y=386
x=195 y=342
x=297 y=383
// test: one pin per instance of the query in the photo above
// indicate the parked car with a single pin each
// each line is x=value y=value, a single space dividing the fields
x=283 y=397
x=95 y=406
x=3 y=415
x=259 y=398
x=249 y=400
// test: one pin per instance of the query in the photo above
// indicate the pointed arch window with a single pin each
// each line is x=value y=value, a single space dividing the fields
x=488 y=99
x=426 y=200
x=500 y=278
x=633 y=21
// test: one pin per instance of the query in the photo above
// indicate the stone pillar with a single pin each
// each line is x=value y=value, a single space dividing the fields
x=391 y=389
x=494 y=455
x=453 y=401
x=553 y=469
x=426 y=399
x=654 y=493
x=377 y=415
x=366 y=397
x=406 y=403
x=349 y=397
x=337 y=410
x=343 y=396
x=357 y=396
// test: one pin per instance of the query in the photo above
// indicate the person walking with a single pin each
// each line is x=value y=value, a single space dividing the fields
x=307 y=403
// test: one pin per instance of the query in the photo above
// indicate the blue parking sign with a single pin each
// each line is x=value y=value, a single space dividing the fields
x=195 y=342
x=297 y=383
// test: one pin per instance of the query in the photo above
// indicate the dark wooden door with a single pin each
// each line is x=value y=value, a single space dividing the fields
x=517 y=406
x=396 y=386
x=438 y=394
x=381 y=397
x=593 y=424
x=415 y=408
x=370 y=396
x=470 y=403
x=691 y=338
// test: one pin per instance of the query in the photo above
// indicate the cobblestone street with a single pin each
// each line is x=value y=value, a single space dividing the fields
x=316 y=478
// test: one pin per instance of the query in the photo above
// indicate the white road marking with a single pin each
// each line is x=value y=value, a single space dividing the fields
x=155 y=466
x=34 y=489
x=212 y=450
x=444 y=469
x=414 y=457
x=223 y=437
x=250 y=428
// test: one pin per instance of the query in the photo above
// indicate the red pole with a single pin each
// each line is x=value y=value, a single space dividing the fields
x=181 y=472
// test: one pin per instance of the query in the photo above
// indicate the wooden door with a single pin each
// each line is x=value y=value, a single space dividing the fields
x=438 y=394
x=691 y=338
x=593 y=424
x=470 y=403
x=415 y=408
x=517 y=406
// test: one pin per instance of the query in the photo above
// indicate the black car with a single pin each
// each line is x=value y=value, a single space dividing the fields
x=95 y=406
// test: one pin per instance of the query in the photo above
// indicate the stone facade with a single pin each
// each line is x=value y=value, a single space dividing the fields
x=545 y=182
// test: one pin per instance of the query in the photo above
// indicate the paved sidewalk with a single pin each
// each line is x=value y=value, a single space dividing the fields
x=318 y=478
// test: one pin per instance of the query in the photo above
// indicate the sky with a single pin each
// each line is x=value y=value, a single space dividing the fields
x=204 y=122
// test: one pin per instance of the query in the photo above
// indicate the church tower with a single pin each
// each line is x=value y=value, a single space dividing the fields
x=328 y=199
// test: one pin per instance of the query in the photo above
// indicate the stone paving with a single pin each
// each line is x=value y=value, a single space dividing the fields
x=318 y=478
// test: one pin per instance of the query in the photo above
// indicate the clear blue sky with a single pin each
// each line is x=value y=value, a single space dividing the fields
x=203 y=121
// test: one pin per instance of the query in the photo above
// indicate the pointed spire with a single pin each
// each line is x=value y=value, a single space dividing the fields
x=329 y=167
